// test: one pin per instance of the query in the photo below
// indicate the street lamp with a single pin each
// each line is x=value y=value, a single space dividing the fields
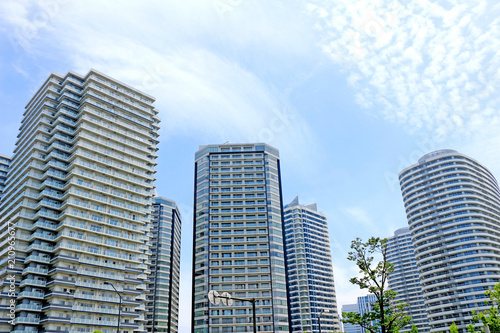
x=319 y=318
x=227 y=299
x=120 y=306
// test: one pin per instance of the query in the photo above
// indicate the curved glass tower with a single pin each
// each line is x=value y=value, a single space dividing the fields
x=452 y=204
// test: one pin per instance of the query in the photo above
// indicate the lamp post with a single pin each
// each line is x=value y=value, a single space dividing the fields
x=120 y=306
x=319 y=318
x=227 y=299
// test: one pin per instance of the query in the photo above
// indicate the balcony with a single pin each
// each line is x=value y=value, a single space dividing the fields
x=95 y=310
x=29 y=307
x=140 y=308
x=33 y=282
x=26 y=320
x=35 y=270
x=40 y=247
x=101 y=275
x=112 y=323
x=30 y=294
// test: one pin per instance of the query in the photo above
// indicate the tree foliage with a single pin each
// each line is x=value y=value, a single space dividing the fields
x=490 y=317
x=453 y=328
x=385 y=316
x=414 y=329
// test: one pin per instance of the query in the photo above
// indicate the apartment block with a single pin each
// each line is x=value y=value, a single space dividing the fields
x=364 y=305
x=350 y=328
x=309 y=266
x=79 y=197
x=238 y=242
x=452 y=203
x=4 y=169
x=162 y=308
x=405 y=280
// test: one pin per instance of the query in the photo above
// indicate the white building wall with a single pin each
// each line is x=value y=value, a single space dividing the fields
x=78 y=197
x=452 y=205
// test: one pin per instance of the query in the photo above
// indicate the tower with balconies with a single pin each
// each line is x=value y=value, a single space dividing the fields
x=452 y=204
x=162 y=308
x=404 y=280
x=310 y=271
x=238 y=242
x=4 y=169
x=78 y=198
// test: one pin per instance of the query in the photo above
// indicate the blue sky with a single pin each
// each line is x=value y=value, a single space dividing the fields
x=350 y=92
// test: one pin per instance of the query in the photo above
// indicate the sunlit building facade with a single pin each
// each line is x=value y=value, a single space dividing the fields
x=238 y=242
x=4 y=169
x=79 y=195
x=405 y=280
x=364 y=305
x=452 y=205
x=351 y=328
x=162 y=308
x=309 y=266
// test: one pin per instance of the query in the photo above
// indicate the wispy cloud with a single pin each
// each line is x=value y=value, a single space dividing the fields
x=178 y=52
x=429 y=65
x=359 y=215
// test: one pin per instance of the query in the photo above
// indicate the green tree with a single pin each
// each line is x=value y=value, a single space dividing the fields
x=97 y=331
x=385 y=316
x=490 y=317
x=453 y=328
x=414 y=329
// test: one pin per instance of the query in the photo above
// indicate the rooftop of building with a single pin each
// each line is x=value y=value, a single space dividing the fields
x=236 y=148
x=436 y=153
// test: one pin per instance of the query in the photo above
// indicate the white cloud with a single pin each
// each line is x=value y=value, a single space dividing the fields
x=428 y=65
x=347 y=293
x=359 y=215
x=180 y=52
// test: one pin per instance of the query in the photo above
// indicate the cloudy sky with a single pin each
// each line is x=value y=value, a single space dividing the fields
x=349 y=91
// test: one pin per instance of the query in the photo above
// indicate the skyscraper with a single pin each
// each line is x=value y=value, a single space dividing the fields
x=238 y=238
x=452 y=204
x=309 y=266
x=350 y=328
x=405 y=280
x=163 y=285
x=78 y=196
x=4 y=169
x=364 y=305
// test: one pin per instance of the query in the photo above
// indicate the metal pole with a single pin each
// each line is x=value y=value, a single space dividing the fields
x=254 y=317
x=319 y=321
x=253 y=308
x=119 y=313
x=120 y=306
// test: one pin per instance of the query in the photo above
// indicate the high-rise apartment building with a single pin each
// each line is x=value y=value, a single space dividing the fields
x=78 y=197
x=405 y=280
x=452 y=204
x=351 y=328
x=309 y=266
x=238 y=242
x=4 y=168
x=162 y=309
x=364 y=305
